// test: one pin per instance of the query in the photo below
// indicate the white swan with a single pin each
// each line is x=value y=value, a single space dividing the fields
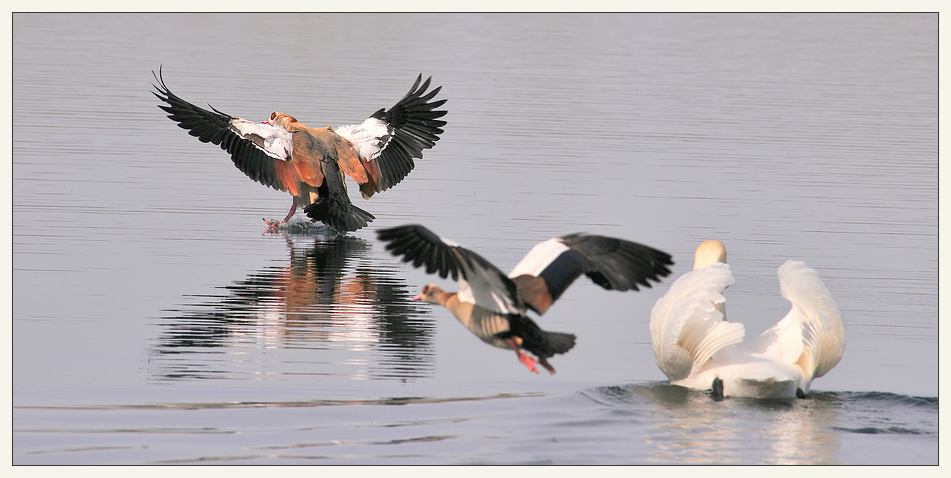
x=696 y=347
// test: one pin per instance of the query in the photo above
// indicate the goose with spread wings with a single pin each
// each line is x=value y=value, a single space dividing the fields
x=494 y=306
x=697 y=347
x=310 y=163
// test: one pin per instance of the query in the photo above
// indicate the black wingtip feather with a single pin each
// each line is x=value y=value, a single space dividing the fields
x=213 y=127
x=617 y=264
x=418 y=245
x=413 y=121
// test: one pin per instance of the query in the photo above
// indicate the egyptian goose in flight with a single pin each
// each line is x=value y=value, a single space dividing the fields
x=696 y=347
x=494 y=306
x=309 y=163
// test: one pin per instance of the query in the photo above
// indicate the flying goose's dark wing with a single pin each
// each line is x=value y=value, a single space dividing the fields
x=614 y=264
x=480 y=282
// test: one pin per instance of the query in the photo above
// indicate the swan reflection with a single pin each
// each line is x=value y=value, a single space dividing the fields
x=692 y=428
x=329 y=310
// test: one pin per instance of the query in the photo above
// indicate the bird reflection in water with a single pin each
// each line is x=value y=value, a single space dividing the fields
x=330 y=311
x=691 y=428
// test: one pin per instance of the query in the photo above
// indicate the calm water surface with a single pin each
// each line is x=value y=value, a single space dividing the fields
x=154 y=322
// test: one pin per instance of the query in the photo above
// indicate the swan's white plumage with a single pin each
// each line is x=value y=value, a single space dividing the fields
x=823 y=334
x=686 y=325
x=695 y=344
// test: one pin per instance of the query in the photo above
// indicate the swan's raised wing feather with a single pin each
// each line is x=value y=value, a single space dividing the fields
x=823 y=333
x=686 y=325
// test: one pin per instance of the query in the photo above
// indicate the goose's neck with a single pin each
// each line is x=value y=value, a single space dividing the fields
x=449 y=300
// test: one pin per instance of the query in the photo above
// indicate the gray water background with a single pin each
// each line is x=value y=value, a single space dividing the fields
x=153 y=322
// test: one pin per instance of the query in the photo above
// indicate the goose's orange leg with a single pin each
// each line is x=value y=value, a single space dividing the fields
x=272 y=225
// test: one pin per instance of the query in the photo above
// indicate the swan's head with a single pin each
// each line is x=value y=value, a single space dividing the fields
x=430 y=293
x=709 y=253
x=281 y=119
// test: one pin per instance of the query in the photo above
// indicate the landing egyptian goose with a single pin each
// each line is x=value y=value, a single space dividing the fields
x=494 y=306
x=309 y=163
x=696 y=347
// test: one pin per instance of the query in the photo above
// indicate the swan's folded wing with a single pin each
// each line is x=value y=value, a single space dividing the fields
x=687 y=323
x=822 y=330
x=480 y=282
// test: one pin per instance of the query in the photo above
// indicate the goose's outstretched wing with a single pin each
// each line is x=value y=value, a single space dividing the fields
x=480 y=282
x=259 y=150
x=614 y=264
x=390 y=139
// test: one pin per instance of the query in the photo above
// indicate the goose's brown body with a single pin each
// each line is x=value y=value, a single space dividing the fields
x=310 y=163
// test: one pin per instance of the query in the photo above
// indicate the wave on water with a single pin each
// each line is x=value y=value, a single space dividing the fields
x=675 y=394
x=870 y=413
x=287 y=404
x=888 y=397
x=876 y=431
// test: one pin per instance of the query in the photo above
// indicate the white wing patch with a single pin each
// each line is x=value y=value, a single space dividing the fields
x=368 y=138
x=275 y=141
x=537 y=259
x=450 y=242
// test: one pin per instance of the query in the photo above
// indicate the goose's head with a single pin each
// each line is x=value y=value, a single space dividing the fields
x=709 y=253
x=281 y=119
x=431 y=293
